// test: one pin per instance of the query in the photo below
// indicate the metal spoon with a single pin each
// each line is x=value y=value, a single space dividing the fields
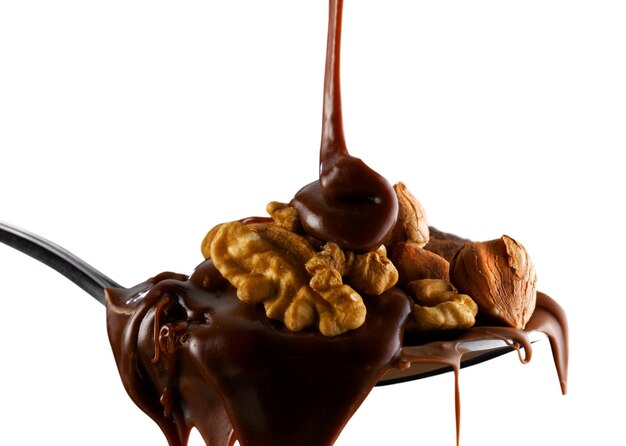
x=94 y=282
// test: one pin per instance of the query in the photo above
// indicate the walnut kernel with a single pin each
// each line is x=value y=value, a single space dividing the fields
x=439 y=307
x=265 y=263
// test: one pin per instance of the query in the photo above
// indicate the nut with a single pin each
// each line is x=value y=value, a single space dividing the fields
x=282 y=240
x=412 y=224
x=415 y=263
x=371 y=273
x=266 y=264
x=439 y=307
x=285 y=216
x=501 y=278
x=444 y=244
x=208 y=239
x=327 y=267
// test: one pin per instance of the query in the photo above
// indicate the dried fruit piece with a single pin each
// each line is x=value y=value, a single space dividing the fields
x=500 y=277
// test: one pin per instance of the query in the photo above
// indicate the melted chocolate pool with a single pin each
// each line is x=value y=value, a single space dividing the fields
x=191 y=354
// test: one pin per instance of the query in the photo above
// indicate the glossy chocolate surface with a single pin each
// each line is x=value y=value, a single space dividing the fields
x=191 y=354
x=350 y=204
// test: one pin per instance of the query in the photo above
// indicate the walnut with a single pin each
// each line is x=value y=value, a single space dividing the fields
x=371 y=273
x=285 y=216
x=439 y=307
x=266 y=264
x=208 y=239
x=412 y=224
x=327 y=267
x=500 y=276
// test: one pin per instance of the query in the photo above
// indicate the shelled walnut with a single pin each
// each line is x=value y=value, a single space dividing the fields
x=438 y=306
x=271 y=265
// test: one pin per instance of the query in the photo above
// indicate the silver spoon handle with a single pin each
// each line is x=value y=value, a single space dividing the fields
x=82 y=274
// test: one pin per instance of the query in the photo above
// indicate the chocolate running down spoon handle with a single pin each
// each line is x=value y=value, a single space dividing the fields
x=82 y=274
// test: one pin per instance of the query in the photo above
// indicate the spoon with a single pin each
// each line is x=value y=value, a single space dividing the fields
x=94 y=283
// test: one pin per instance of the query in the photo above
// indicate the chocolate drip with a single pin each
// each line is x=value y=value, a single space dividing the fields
x=350 y=204
x=220 y=362
x=167 y=390
x=190 y=353
x=548 y=318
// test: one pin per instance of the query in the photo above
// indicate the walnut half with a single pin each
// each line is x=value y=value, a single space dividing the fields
x=439 y=307
x=266 y=264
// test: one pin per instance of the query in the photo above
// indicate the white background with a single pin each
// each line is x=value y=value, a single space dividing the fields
x=129 y=128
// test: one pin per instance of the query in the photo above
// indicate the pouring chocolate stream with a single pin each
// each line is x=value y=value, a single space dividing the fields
x=350 y=204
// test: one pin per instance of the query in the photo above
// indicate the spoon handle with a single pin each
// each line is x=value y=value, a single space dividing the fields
x=82 y=274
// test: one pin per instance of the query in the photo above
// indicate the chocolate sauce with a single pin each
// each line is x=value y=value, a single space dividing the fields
x=350 y=204
x=190 y=353
x=548 y=318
